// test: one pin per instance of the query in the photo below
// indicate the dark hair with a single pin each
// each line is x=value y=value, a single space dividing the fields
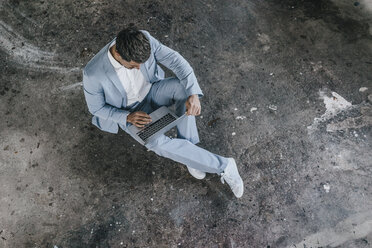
x=132 y=44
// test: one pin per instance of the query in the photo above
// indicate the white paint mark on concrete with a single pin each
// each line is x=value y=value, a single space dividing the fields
x=253 y=109
x=355 y=227
x=316 y=66
x=334 y=105
x=263 y=38
x=273 y=107
x=241 y=117
x=28 y=55
x=266 y=48
x=71 y=86
x=362 y=89
x=327 y=187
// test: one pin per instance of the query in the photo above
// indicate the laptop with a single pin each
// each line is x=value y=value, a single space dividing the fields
x=163 y=119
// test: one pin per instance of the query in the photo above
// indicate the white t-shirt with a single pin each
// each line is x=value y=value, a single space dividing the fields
x=132 y=80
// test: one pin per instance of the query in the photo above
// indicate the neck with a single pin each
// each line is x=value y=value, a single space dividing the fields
x=114 y=54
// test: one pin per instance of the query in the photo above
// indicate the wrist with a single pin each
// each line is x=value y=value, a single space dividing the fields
x=129 y=119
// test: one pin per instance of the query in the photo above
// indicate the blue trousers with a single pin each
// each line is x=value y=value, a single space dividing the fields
x=168 y=92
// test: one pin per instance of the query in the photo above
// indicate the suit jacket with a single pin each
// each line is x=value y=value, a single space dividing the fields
x=105 y=95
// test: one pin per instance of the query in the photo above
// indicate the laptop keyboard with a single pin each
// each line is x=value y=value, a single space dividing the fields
x=151 y=129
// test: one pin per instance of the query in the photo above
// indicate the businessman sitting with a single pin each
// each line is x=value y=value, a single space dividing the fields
x=123 y=84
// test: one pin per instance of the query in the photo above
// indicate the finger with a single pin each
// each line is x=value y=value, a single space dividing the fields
x=143 y=117
x=188 y=106
x=190 y=109
x=143 y=122
x=141 y=113
x=199 y=111
x=139 y=125
x=194 y=110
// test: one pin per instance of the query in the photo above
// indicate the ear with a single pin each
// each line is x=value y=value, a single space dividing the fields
x=116 y=53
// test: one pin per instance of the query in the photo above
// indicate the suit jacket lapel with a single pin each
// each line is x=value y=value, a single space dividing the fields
x=111 y=73
x=144 y=71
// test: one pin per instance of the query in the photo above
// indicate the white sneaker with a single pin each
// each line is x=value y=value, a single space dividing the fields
x=196 y=173
x=233 y=179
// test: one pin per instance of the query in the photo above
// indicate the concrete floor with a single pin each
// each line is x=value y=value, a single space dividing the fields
x=290 y=78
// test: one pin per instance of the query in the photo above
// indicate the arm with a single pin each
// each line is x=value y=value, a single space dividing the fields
x=175 y=62
x=97 y=105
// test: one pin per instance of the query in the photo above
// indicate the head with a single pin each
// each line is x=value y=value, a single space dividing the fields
x=133 y=47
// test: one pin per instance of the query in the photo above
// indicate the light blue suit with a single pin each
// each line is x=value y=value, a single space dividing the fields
x=107 y=101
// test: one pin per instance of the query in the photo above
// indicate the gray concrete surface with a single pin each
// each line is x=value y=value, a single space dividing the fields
x=291 y=78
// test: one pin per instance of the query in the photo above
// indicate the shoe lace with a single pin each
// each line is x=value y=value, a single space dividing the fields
x=229 y=180
x=225 y=177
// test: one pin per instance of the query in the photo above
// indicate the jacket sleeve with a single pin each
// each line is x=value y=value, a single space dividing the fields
x=97 y=105
x=176 y=63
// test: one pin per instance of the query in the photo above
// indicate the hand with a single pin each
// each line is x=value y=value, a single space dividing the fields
x=193 y=106
x=139 y=118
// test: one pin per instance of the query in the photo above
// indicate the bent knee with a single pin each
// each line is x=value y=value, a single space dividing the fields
x=179 y=91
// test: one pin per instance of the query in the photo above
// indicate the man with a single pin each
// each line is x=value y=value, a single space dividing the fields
x=123 y=84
